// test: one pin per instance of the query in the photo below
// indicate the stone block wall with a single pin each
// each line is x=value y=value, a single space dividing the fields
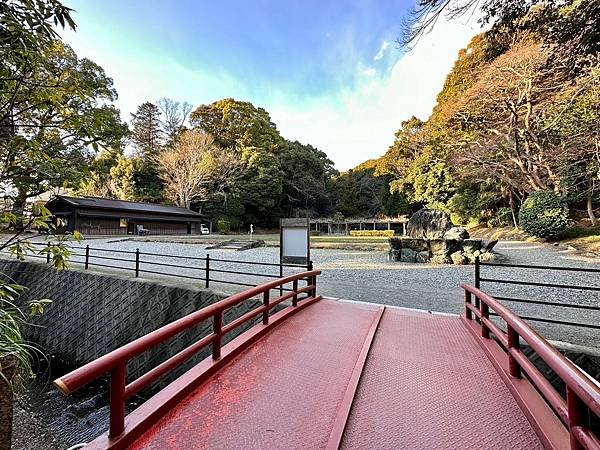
x=92 y=314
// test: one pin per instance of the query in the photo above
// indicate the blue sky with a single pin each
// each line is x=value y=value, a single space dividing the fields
x=329 y=72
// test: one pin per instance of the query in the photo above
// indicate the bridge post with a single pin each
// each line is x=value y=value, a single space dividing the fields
x=577 y=411
x=477 y=280
x=117 y=400
x=468 y=313
x=295 y=289
x=485 y=314
x=217 y=330
x=513 y=343
x=265 y=314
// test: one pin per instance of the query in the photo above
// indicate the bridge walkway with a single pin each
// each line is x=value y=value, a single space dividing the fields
x=348 y=375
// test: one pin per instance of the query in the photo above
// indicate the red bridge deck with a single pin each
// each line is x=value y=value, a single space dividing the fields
x=327 y=374
x=418 y=390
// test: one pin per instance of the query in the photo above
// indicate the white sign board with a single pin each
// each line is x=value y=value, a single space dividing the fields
x=294 y=244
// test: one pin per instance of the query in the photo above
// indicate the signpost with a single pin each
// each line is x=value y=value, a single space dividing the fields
x=294 y=241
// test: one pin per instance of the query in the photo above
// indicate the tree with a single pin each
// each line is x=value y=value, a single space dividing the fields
x=122 y=181
x=54 y=108
x=237 y=124
x=307 y=177
x=173 y=117
x=147 y=135
x=194 y=168
x=97 y=182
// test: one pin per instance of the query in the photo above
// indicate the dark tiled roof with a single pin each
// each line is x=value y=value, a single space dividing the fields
x=124 y=205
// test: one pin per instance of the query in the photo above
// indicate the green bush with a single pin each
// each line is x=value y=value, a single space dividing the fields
x=364 y=233
x=224 y=226
x=502 y=218
x=544 y=214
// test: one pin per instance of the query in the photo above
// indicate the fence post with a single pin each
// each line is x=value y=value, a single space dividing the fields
x=295 y=289
x=48 y=256
x=87 y=256
x=117 y=400
x=217 y=329
x=137 y=262
x=265 y=314
x=207 y=272
x=513 y=343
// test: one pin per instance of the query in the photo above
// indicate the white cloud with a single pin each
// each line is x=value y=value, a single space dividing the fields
x=359 y=124
x=351 y=125
x=380 y=54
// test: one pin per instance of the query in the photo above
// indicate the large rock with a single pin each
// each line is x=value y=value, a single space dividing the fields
x=422 y=257
x=487 y=246
x=440 y=259
x=428 y=224
x=444 y=247
x=471 y=245
x=408 y=255
x=457 y=233
x=458 y=258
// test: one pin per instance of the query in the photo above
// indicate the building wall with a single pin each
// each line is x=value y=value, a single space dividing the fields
x=97 y=225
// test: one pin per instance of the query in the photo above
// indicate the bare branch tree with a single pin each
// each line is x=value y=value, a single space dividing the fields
x=195 y=168
x=174 y=115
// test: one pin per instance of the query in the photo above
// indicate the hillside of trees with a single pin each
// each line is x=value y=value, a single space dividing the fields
x=519 y=113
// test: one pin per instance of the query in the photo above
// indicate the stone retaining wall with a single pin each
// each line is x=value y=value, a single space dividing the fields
x=92 y=314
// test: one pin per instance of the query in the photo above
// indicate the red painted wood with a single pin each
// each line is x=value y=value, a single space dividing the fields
x=544 y=421
x=149 y=412
x=337 y=431
x=433 y=389
x=577 y=381
x=284 y=392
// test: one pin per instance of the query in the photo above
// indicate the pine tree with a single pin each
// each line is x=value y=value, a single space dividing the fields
x=147 y=135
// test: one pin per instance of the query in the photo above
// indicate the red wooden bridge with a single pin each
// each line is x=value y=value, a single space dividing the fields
x=325 y=373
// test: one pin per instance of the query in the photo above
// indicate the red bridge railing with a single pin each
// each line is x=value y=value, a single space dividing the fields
x=583 y=395
x=115 y=362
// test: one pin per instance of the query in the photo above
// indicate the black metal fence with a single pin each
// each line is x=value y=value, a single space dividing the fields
x=543 y=272
x=205 y=267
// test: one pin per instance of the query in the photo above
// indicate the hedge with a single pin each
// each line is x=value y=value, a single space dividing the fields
x=544 y=214
x=364 y=233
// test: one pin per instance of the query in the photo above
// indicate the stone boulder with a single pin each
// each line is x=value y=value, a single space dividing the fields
x=457 y=233
x=428 y=224
x=443 y=247
x=487 y=246
x=458 y=258
x=408 y=255
x=440 y=259
x=471 y=245
x=422 y=257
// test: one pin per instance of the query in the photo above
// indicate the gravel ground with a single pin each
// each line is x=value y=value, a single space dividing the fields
x=368 y=276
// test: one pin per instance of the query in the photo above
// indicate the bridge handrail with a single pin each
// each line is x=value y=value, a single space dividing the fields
x=582 y=393
x=115 y=361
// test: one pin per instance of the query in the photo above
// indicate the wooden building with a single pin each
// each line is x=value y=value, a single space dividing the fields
x=103 y=216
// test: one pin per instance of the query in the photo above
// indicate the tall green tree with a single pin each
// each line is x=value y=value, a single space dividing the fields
x=237 y=124
x=55 y=109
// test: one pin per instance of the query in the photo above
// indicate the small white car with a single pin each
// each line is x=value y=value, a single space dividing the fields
x=204 y=229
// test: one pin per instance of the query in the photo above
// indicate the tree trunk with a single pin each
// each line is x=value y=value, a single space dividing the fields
x=590 y=210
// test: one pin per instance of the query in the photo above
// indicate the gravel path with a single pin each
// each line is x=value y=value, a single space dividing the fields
x=368 y=276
